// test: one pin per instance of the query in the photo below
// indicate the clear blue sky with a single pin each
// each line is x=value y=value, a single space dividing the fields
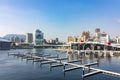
x=59 y=18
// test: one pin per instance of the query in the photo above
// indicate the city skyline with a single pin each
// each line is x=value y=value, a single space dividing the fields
x=59 y=18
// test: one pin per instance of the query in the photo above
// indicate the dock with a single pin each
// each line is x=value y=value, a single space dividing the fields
x=70 y=69
x=48 y=59
x=90 y=74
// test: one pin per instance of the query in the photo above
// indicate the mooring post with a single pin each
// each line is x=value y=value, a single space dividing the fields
x=83 y=78
x=89 y=68
x=50 y=66
x=57 y=55
x=64 y=69
x=60 y=61
x=64 y=66
x=98 y=62
x=83 y=69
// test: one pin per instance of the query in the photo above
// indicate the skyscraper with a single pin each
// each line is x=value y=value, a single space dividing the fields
x=39 y=37
x=97 y=30
x=85 y=36
x=29 y=37
x=97 y=35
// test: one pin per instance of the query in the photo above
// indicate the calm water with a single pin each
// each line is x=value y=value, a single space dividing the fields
x=13 y=68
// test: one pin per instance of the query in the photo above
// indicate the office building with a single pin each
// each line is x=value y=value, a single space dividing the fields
x=97 y=35
x=104 y=38
x=118 y=39
x=39 y=37
x=5 y=44
x=97 y=30
x=85 y=36
x=29 y=37
x=72 y=39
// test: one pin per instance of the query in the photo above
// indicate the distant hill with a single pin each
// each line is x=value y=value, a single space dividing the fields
x=21 y=36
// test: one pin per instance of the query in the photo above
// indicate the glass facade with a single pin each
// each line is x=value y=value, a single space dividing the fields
x=5 y=45
x=39 y=37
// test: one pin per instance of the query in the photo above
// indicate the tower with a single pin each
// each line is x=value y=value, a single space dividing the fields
x=39 y=37
x=29 y=37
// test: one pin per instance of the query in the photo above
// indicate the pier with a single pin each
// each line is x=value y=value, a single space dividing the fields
x=48 y=59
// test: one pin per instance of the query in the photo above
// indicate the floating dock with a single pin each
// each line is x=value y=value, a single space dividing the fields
x=48 y=59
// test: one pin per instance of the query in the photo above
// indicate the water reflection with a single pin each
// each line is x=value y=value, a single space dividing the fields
x=72 y=56
x=14 y=69
x=88 y=57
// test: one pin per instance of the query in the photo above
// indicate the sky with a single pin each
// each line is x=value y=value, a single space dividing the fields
x=59 y=18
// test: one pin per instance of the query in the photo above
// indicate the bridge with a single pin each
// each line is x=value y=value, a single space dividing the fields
x=93 y=46
x=86 y=47
x=53 y=46
x=82 y=46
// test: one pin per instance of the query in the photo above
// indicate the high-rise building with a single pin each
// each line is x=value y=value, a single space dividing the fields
x=85 y=36
x=97 y=30
x=56 y=40
x=72 y=39
x=97 y=35
x=39 y=37
x=104 y=38
x=29 y=37
x=118 y=39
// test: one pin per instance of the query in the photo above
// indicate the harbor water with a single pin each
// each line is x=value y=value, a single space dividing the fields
x=15 y=68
